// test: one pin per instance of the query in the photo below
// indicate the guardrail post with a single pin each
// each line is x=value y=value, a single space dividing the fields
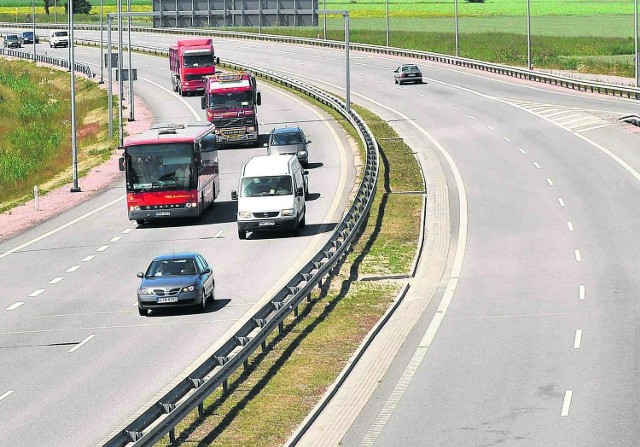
x=172 y=436
x=201 y=409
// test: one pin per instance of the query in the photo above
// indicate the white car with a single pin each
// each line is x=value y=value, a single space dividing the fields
x=407 y=73
x=58 y=38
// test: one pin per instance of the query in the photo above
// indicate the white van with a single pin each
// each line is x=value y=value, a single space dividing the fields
x=58 y=38
x=271 y=194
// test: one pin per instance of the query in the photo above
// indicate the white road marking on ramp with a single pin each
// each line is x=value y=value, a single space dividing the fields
x=566 y=403
x=81 y=344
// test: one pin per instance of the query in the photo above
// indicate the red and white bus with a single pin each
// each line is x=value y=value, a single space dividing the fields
x=171 y=171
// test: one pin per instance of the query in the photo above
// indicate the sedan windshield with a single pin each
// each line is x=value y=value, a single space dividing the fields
x=172 y=267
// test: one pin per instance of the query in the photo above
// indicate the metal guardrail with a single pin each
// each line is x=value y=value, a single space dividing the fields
x=521 y=73
x=52 y=60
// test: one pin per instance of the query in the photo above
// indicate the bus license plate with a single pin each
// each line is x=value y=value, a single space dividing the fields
x=163 y=213
x=266 y=223
x=168 y=299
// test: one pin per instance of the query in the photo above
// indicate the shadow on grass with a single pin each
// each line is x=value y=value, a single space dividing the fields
x=215 y=406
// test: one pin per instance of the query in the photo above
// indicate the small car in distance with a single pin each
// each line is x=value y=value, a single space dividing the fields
x=289 y=140
x=27 y=37
x=58 y=38
x=407 y=73
x=176 y=280
x=12 y=41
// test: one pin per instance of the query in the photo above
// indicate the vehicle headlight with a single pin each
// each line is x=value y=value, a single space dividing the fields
x=134 y=208
x=251 y=129
x=287 y=212
x=189 y=289
x=302 y=153
x=244 y=214
x=145 y=291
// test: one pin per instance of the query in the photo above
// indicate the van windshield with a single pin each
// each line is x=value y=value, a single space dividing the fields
x=279 y=185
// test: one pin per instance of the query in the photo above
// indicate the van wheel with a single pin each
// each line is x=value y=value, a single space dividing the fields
x=242 y=234
x=303 y=221
x=140 y=221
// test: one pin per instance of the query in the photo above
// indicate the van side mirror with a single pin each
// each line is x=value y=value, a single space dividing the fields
x=258 y=98
x=299 y=191
x=121 y=163
x=305 y=172
x=203 y=102
x=140 y=275
x=206 y=271
x=234 y=195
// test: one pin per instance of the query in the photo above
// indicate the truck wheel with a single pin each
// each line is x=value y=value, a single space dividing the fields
x=242 y=234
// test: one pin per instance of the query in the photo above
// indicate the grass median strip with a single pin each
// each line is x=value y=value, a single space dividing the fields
x=264 y=404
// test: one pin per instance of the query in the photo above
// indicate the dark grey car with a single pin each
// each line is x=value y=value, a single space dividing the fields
x=12 y=41
x=27 y=37
x=176 y=280
x=289 y=140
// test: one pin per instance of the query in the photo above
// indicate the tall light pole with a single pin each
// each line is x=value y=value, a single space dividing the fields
x=101 y=46
x=55 y=11
x=529 y=35
x=131 y=97
x=33 y=19
x=109 y=64
x=324 y=20
x=74 y=145
x=346 y=46
x=635 y=33
x=387 y=17
x=120 y=81
x=456 y=20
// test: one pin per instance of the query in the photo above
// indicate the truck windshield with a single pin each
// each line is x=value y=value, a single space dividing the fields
x=200 y=60
x=230 y=100
x=278 y=185
x=155 y=167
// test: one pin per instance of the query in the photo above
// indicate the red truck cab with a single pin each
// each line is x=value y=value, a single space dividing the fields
x=189 y=62
x=231 y=102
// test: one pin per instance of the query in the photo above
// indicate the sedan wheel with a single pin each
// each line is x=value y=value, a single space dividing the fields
x=143 y=312
x=203 y=304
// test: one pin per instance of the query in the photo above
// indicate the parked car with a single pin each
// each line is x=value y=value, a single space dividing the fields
x=12 y=41
x=176 y=280
x=27 y=37
x=407 y=73
x=289 y=140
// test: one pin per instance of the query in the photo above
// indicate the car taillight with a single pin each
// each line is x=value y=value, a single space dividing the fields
x=403 y=75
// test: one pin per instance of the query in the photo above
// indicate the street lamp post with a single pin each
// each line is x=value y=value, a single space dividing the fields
x=346 y=46
x=101 y=46
x=387 y=18
x=456 y=20
x=324 y=20
x=55 y=11
x=74 y=145
x=109 y=65
x=529 y=35
x=131 y=97
x=33 y=19
x=635 y=33
x=120 y=81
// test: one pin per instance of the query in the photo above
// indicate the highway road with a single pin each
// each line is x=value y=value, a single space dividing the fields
x=77 y=359
x=530 y=336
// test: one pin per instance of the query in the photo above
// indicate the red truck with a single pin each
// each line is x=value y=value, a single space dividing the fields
x=231 y=101
x=189 y=61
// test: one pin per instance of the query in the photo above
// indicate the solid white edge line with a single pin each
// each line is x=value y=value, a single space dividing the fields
x=7 y=394
x=582 y=292
x=60 y=228
x=578 y=256
x=15 y=305
x=566 y=403
x=82 y=343
x=36 y=292
x=578 y=339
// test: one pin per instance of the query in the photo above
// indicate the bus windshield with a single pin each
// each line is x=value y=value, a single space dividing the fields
x=230 y=100
x=155 y=167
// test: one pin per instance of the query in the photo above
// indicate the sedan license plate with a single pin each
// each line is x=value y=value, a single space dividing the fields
x=266 y=223
x=168 y=299
x=163 y=213
x=413 y=75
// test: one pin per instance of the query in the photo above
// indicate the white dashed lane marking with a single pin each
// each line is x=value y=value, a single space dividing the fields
x=15 y=305
x=537 y=165
x=566 y=403
x=570 y=225
x=115 y=239
x=7 y=394
x=36 y=292
x=56 y=280
x=578 y=256
x=550 y=182
x=88 y=258
x=578 y=339
x=127 y=230
x=81 y=344
x=103 y=248
x=582 y=292
x=561 y=201
x=506 y=139
x=73 y=268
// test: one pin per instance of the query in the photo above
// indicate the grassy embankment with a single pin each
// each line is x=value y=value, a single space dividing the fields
x=35 y=130
x=282 y=384
x=595 y=36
